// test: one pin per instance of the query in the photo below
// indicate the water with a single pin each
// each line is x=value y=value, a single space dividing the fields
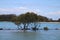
x=38 y=35
x=8 y=25
x=50 y=25
x=29 y=35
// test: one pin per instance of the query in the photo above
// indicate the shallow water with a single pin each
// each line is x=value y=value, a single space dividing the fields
x=50 y=25
x=29 y=35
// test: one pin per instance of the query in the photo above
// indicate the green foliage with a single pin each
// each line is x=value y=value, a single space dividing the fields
x=28 y=17
x=10 y=17
x=25 y=18
x=42 y=19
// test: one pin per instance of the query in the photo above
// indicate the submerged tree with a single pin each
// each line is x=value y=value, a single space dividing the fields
x=31 y=17
x=27 y=18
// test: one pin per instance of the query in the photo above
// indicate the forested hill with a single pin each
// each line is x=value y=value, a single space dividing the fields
x=26 y=17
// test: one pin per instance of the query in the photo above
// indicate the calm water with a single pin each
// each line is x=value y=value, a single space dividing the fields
x=29 y=35
x=39 y=35
x=50 y=25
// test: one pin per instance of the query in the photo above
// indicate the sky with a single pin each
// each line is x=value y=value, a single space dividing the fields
x=47 y=8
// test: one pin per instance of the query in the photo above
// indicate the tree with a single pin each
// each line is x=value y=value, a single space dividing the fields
x=27 y=18
x=9 y=17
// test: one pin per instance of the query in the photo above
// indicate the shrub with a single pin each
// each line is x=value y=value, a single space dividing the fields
x=45 y=28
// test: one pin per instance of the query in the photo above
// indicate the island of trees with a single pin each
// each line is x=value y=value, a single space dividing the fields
x=26 y=19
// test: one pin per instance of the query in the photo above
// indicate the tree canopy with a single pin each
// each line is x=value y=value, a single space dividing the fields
x=26 y=18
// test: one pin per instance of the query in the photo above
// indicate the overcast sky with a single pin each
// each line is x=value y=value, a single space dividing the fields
x=48 y=8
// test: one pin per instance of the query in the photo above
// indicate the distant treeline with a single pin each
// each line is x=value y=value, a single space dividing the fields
x=26 y=17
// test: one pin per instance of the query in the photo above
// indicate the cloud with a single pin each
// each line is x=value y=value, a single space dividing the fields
x=18 y=10
x=54 y=13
